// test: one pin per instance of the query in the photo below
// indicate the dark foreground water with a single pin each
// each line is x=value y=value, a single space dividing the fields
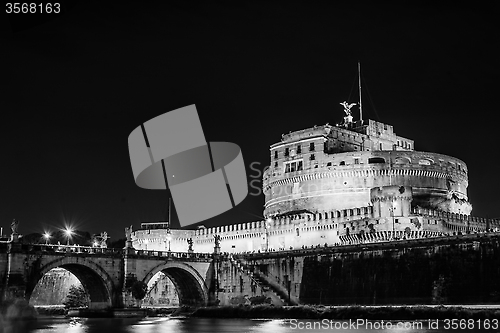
x=207 y=325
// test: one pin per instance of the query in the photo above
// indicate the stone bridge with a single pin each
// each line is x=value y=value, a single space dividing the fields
x=454 y=269
x=106 y=273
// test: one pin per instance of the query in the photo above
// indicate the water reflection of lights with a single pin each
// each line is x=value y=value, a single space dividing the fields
x=268 y=326
x=156 y=325
x=77 y=325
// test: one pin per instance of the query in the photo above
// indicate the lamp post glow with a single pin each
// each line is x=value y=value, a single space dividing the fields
x=68 y=232
x=46 y=236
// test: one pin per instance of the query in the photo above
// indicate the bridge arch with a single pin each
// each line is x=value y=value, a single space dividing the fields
x=96 y=281
x=190 y=285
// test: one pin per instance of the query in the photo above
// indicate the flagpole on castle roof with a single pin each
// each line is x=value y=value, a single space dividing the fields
x=359 y=80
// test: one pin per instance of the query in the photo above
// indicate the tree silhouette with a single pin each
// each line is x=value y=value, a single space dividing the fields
x=77 y=297
x=139 y=290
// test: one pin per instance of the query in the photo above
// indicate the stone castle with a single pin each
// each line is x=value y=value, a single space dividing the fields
x=351 y=183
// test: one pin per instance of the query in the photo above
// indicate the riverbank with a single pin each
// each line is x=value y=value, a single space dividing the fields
x=61 y=311
x=413 y=312
x=347 y=312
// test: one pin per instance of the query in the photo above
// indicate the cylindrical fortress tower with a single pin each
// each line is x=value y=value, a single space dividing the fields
x=328 y=168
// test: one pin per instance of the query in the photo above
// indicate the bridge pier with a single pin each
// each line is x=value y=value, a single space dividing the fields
x=14 y=282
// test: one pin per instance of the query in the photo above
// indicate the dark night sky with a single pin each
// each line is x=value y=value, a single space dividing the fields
x=76 y=84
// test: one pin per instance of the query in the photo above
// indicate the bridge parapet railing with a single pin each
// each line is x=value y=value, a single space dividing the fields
x=59 y=248
x=89 y=250
x=170 y=254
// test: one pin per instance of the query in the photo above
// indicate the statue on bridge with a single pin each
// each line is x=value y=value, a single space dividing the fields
x=14 y=237
x=13 y=226
x=104 y=238
x=128 y=233
x=190 y=245
x=217 y=244
x=217 y=240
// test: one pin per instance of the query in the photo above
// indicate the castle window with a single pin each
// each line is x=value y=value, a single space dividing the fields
x=311 y=146
x=293 y=166
x=356 y=161
x=287 y=151
x=312 y=157
x=342 y=163
x=402 y=160
x=275 y=154
x=329 y=164
x=275 y=164
x=376 y=160
x=299 y=149
x=380 y=146
x=399 y=143
x=424 y=162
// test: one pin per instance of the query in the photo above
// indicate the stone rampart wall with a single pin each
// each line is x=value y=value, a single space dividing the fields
x=298 y=230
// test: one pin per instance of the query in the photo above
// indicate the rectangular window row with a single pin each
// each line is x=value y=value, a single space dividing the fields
x=299 y=150
x=404 y=144
x=293 y=166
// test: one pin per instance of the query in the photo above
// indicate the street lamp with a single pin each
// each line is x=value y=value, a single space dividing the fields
x=46 y=236
x=68 y=232
x=169 y=239
x=393 y=207
x=267 y=226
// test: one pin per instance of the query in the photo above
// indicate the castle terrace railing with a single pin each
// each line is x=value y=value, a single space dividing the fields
x=346 y=248
x=170 y=254
x=473 y=222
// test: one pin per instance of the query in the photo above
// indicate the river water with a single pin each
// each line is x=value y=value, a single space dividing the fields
x=209 y=325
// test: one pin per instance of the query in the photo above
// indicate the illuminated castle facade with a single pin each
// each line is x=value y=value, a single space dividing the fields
x=345 y=184
x=331 y=168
